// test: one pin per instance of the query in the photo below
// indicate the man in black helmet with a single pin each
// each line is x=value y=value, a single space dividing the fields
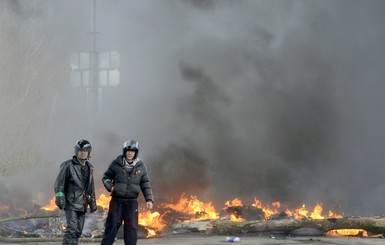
x=125 y=178
x=75 y=191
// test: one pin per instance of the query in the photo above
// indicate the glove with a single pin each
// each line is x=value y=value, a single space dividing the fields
x=60 y=202
x=108 y=184
x=93 y=206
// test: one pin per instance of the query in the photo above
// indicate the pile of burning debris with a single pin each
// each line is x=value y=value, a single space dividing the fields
x=32 y=223
x=189 y=214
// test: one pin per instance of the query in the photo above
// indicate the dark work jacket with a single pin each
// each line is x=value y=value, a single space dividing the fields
x=70 y=182
x=127 y=184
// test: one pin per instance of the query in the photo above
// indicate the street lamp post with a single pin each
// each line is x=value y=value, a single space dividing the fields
x=93 y=70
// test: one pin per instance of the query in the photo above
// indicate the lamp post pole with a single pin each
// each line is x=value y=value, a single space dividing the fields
x=94 y=71
x=93 y=91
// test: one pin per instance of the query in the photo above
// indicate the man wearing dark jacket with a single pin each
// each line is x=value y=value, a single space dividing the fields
x=125 y=178
x=75 y=191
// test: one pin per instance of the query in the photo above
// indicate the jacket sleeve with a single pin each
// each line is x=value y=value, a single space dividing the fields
x=61 y=179
x=146 y=187
x=92 y=188
x=108 y=178
x=92 y=193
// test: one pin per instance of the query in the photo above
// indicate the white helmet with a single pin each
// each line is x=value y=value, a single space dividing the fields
x=131 y=145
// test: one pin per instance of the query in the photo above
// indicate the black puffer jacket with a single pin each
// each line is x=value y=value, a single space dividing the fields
x=127 y=184
x=78 y=195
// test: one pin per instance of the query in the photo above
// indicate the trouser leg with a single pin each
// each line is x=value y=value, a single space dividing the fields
x=130 y=222
x=75 y=223
x=80 y=225
x=113 y=222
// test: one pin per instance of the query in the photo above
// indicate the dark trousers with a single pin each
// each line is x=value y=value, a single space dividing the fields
x=122 y=210
x=75 y=224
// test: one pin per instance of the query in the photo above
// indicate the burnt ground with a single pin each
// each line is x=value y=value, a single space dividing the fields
x=255 y=240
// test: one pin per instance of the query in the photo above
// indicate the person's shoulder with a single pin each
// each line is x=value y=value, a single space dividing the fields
x=118 y=160
x=66 y=163
x=140 y=163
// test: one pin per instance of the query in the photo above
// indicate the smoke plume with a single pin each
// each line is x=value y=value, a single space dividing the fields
x=278 y=100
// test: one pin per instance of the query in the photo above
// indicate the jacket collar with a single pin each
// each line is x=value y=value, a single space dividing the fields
x=120 y=159
x=76 y=161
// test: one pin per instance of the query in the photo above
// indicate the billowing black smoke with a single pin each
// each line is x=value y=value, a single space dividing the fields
x=278 y=100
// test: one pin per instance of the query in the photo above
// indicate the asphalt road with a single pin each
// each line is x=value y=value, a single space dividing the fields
x=255 y=240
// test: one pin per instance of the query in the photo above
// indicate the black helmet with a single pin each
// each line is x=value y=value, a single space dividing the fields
x=132 y=145
x=84 y=145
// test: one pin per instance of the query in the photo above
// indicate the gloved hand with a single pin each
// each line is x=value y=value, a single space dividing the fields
x=60 y=202
x=108 y=184
x=93 y=206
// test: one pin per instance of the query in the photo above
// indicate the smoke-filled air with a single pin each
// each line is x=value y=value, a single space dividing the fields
x=280 y=100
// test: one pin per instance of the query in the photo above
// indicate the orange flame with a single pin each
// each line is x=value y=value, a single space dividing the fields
x=153 y=220
x=348 y=232
x=51 y=206
x=298 y=213
x=195 y=208
x=267 y=211
x=316 y=214
x=103 y=201
x=234 y=203
x=235 y=218
x=333 y=215
x=275 y=208
x=150 y=233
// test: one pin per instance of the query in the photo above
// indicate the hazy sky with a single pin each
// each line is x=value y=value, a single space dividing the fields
x=279 y=100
